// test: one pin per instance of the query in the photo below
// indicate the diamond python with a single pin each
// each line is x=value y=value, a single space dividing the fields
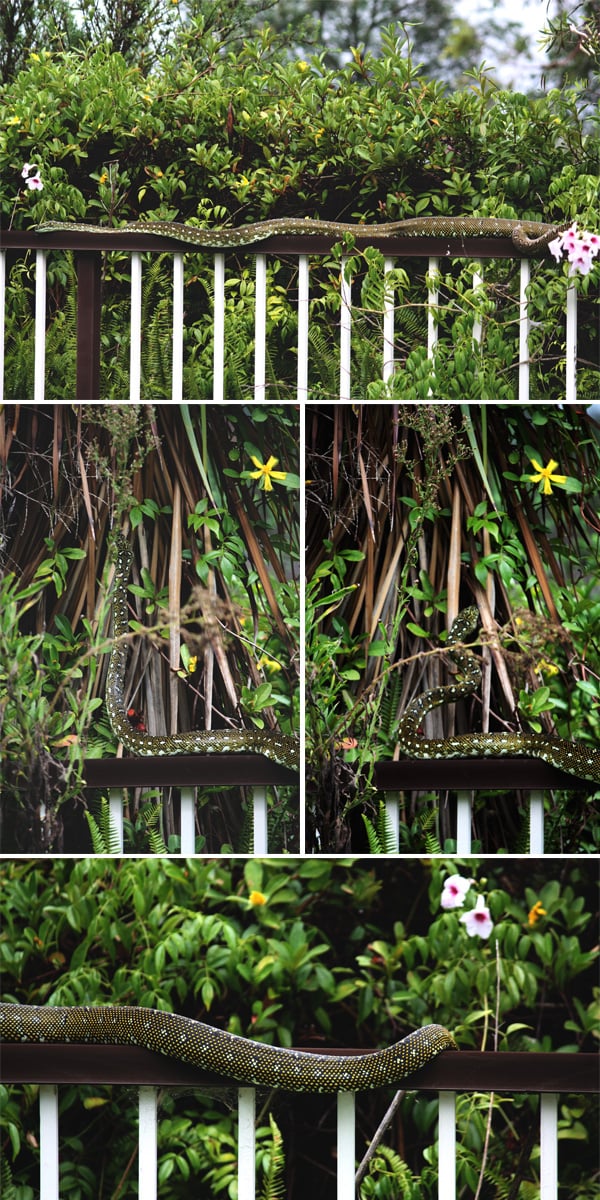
x=216 y=1050
x=281 y=748
x=531 y=237
x=576 y=758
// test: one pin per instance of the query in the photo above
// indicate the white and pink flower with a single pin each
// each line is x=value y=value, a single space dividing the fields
x=580 y=248
x=478 y=922
x=454 y=891
x=32 y=177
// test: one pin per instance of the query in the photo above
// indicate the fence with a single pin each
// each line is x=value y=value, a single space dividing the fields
x=469 y=1071
x=531 y=775
x=302 y=250
x=189 y=773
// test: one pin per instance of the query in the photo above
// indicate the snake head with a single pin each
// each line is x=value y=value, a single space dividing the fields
x=464 y=624
x=120 y=550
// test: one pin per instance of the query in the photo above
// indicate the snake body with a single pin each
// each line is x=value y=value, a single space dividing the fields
x=281 y=748
x=576 y=758
x=216 y=1050
x=532 y=237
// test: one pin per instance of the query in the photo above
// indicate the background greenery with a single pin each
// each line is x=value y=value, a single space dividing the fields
x=339 y=953
x=178 y=478
x=415 y=511
x=218 y=129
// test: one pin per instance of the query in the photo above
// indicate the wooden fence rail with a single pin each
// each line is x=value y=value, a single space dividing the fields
x=548 y=1074
x=431 y=251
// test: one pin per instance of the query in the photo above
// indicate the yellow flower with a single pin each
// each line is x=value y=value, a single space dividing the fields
x=547 y=667
x=266 y=473
x=536 y=912
x=302 y=65
x=546 y=475
x=192 y=664
x=256 y=898
x=268 y=663
x=104 y=177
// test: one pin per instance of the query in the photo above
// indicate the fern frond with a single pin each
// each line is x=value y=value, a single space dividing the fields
x=381 y=835
x=274 y=1185
x=105 y=839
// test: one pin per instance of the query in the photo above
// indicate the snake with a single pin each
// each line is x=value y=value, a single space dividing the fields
x=213 y=1049
x=282 y=748
x=573 y=757
x=532 y=237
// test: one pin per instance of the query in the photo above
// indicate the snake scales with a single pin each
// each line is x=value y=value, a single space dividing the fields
x=216 y=1050
x=531 y=237
x=283 y=749
x=578 y=759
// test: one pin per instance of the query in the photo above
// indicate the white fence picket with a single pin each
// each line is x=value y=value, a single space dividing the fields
x=219 y=330
x=447 y=1146
x=39 y=367
x=187 y=802
x=388 y=352
x=49 y=1152
x=148 y=1143
x=177 y=372
x=246 y=1143
x=346 y=1139
x=548 y=1146
x=49 y=1160
x=135 y=348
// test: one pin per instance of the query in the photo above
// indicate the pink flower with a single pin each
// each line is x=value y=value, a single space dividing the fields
x=455 y=890
x=32 y=177
x=478 y=922
x=580 y=248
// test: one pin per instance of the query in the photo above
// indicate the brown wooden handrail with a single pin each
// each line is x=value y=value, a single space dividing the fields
x=187 y=770
x=467 y=1070
x=462 y=774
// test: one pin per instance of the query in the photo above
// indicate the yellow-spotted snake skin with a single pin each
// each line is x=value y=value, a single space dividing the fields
x=531 y=237
x=281 y=748
x=225 y=1053
x=574 y=757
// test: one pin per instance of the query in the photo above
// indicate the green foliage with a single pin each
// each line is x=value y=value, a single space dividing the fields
x=380 y=832
x=48 y=683
x=253 y=134
x=353 y=953
x=392 y=556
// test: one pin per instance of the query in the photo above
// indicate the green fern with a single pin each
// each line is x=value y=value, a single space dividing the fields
x=427 y=820
x=105 y=839
x=388 y=704
x=8 y=1190
x=151 y=815
x=274 y=1184
x=380 y=833
x=389 y=1178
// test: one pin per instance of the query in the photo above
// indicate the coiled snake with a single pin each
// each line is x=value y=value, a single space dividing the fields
x=278 y=746
x=225 y=1053
x=532 y=237
x=576 y=758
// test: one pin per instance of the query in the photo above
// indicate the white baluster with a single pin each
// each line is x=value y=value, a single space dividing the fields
x=49 y=1189
x=39 y=362
x=346 y=1152
x=260 y=329
x=148 y=1143
x=135 y=348
x=447 y=1146
x=246 y=1144
x=219 y=330
x=303 y=314
x=177 y=369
